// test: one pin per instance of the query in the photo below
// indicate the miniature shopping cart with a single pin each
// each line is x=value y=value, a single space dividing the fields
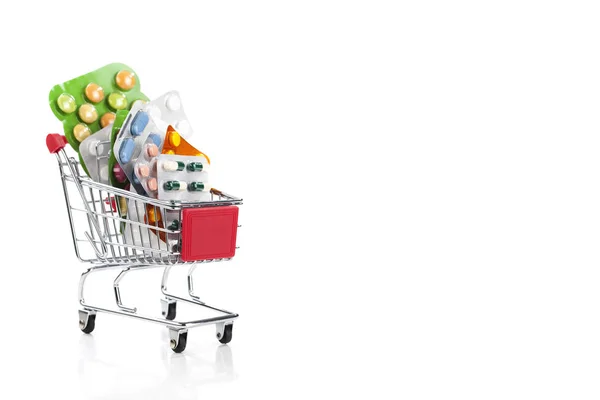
x=121 y=230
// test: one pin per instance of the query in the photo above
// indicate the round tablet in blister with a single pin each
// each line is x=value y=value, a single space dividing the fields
x=184 y=128
x=104 y=173
x=88 y=113
x=94 y=93
x=154 y=112
x=81 y=131
x=66 y=103
x=173 y=102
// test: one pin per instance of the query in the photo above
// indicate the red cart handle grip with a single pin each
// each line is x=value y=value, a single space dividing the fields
x=55 y=142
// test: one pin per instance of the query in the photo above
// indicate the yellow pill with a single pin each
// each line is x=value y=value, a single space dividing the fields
x=88 y=113
x=81 y=131
x=94 y=93
x=170 y=152
x=107 y=119
x=174 y=139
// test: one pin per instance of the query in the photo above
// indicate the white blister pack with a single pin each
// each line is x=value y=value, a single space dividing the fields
x=168 y=110
x=183 y=178
x=94 y=151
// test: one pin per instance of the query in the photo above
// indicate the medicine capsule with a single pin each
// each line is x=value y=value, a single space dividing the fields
x=152 y=184
x=173 y=165
x=194 y=167
x=174 y=185
x=139 y=123
x=125 y=79
x=151 y=150
x=126 y=150
x=94 y=93
x=119 y=174
x=155 y=137
x=81 y=131
x=66 y=103
x=174 y=139
x=196 y=187
x=142 y=171
x=107 y=119
x=88 y=113
x=117 y=101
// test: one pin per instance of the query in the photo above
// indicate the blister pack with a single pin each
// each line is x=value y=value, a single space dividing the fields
x=88 y=103
x=168 y=110
x=183 y=178
x=94 y=151
x=175 y=144
x=139 y=140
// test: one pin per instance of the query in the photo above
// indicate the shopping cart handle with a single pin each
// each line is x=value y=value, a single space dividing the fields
x=55 y=142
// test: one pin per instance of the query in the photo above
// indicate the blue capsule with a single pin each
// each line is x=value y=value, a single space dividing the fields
x=155 y=139
x=126 y=150
x=139 y=123
x=135 y=179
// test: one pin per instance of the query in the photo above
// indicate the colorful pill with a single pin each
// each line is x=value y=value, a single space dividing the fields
x=81 y=131
x=194 y=167
x=174 y=139
x=153 y=214
x=173 y=102
x=196 y=187
x=88 y=113
x=173 y=165
x=94 y=93
x=152 y=184
x=126 y=150
x=107 y=119
x=125 y=79
x=174 y=225
x=142 y=171
x=139 y=123
x=151 y=150
x=170 y=152
x=119 y=174
x=174 y=185
x=155 y=138
x=117 y=101
x=66 y=103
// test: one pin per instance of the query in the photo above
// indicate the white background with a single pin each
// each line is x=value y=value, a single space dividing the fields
x=421 y=215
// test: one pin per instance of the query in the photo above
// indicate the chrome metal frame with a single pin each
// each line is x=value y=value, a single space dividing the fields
x=124 y=233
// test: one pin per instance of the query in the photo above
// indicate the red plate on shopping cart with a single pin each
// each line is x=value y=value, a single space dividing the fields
x=208 y=233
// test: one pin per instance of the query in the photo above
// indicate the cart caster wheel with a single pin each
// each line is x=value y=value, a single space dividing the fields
x=87 y=322
x=178 y=341
x=169 y=309
x=225 y=336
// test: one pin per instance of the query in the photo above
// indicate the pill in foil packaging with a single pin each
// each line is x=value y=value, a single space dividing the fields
x=183 y=178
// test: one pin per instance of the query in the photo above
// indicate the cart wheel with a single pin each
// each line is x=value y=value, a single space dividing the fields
x=171 y=311
x=179 y=345
x=227 y=334
x=87 y=327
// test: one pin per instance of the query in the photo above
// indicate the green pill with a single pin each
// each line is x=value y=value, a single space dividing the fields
x=66 y=103
x=117 y=101
x=196 y=187
x=194 y=166
x=174 y=185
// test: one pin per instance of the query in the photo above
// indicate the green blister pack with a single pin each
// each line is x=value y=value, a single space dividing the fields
x=89 y=103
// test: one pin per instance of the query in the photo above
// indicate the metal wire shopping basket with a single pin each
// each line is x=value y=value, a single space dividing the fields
x=125 y=231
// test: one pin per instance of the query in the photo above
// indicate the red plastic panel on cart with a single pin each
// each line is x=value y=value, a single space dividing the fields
x=208 y=233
